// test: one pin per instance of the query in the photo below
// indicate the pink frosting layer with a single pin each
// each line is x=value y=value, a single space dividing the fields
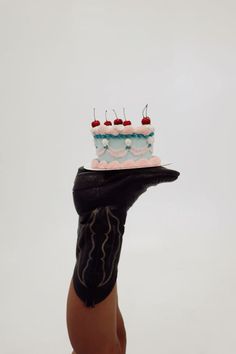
x=121 y=129
x=154 y=161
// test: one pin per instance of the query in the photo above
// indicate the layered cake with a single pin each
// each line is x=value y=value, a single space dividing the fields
x=122 y=145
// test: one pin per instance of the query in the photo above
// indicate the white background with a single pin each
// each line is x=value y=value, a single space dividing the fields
x=59 y=59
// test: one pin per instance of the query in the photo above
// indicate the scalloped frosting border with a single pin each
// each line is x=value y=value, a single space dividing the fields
x=152 y=162
x=121 y=129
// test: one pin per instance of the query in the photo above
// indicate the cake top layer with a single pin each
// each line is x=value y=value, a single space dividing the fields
x=122 y=129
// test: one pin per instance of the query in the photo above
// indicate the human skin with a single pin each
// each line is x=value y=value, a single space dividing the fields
x=98 y=330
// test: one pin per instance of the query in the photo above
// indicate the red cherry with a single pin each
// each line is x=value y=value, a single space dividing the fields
x=95 y=123
x=107 y=122
x=127 y=122
x=118 y=121
x=146 y=120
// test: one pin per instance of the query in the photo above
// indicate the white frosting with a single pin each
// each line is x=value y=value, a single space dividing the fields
x=128 y=142
x=104 y=142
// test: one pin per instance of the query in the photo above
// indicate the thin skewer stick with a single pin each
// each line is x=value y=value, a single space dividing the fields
x=115 y=113
x=124 y=113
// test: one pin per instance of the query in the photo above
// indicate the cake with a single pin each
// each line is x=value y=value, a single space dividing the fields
x=123 y=145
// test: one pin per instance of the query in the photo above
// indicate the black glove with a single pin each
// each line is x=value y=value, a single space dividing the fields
x=102 y=199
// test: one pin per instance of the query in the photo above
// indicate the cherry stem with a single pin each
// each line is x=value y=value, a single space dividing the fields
x=124 y=113
x=115 y=113
x=145 y=108
x=106 y=114
x=94 y=117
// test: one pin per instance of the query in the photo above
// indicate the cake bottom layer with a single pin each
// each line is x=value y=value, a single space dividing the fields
x=153 y=161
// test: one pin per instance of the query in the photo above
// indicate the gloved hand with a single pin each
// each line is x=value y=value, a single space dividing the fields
x=102 y=199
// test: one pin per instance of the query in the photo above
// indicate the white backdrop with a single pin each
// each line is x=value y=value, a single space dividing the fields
x=59 y=59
